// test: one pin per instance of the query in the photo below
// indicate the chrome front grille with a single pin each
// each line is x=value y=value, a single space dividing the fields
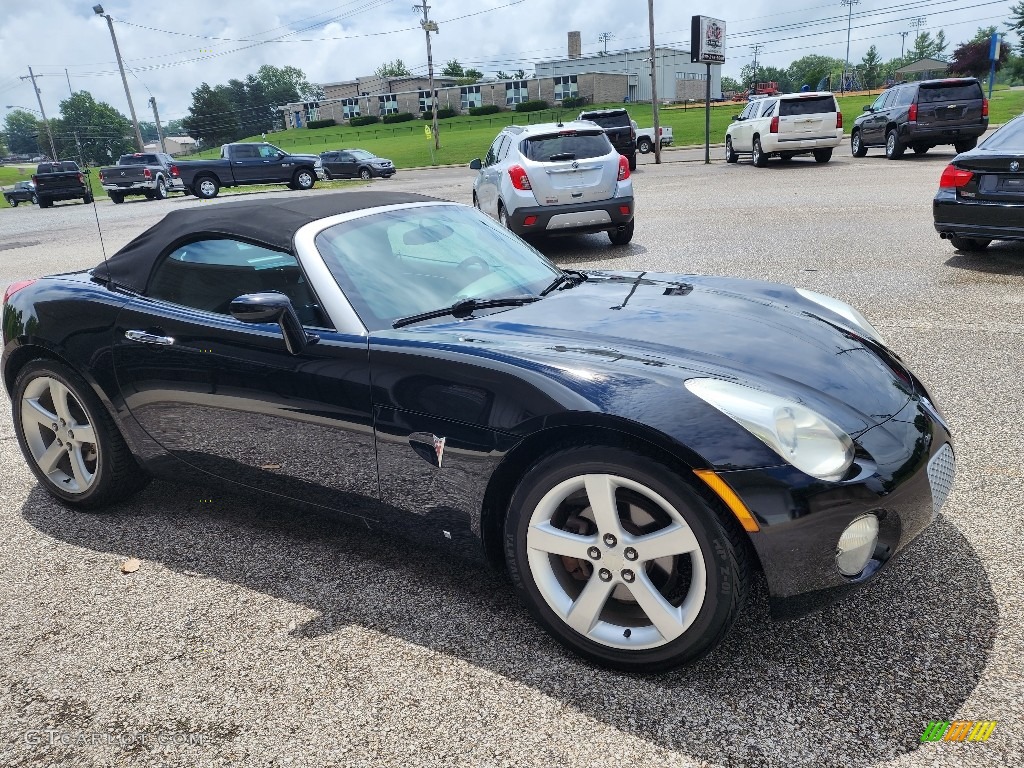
x=941 y=470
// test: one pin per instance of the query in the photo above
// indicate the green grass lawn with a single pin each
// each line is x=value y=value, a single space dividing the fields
x=463 y=138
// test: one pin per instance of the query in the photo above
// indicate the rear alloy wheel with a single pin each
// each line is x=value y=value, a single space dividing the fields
x=161 y=189
x=969 y=244
x=822 y=155
x=893 y=148
x=760 y=159
x=965 y=146
x=645 y=145
x=857 y=149
x=13 y=203
x=35 y=200
x=622 y=236
x=730 y=153
x=69 y=440
x=621 y=561
x=206 y=188
x=364 y=174
x=304 y=179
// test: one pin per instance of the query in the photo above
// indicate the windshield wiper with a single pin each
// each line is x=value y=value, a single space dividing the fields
x=465 y=308
x=572 y=277
x=562 y=156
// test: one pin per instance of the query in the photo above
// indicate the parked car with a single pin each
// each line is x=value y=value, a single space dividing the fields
x=626 y=444
x=355 y=163
x=153 y=174
x=620 y=128
x=248 y=163
x=61 y=180
x=923 y=115
x=645 y=138
x=981 y=193
x=21 y=192
x=556 y=179
x=786 y=126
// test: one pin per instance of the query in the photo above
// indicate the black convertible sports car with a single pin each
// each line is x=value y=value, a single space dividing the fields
x=981 y=193
x=628 y=445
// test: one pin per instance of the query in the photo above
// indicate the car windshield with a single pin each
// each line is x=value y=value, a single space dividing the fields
x=619 y=120
x=933 y=92
x=361 y=154
x=807 y=105
x=569 y=145
x=1008 y=138
x=408 y=261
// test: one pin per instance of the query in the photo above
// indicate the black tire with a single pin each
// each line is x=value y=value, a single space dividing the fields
x=503 y=218
x=787 y=157
x=721 y=554
x=35 y=200
x=149 y=195
x=12 y=203
x=622 y=236
x=327 y=175
x=759 y=157
x=87 y=199
x=921 y=149
x=476 y=201
x=965 y=146
x=116 y=475
x=205 y=187
x=304 y=179
x=969 y=244
x=857 y=148
x=161 y=189
x=45 y=202
x=822 y=155
x=894 y=149
x=730 y=153
x=645 y=145
x=632 y=162
x=365 y=174
x=116 y=197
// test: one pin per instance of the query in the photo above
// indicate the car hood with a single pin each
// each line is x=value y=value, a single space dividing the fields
x=764 y=335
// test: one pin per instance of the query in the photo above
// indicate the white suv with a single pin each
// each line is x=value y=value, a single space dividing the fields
x=786 y=126
x=555 y=178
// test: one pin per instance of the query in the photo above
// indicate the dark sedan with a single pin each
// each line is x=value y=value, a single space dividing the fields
x=21 y=192
x=356 y=164
x=981 y=193
x=630 y=446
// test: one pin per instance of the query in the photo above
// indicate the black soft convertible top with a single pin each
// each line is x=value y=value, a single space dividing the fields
x=269 y=222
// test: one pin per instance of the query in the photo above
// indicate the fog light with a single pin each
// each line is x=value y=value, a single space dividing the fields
x=624 y=210
x=529 y=221
x=856 y=545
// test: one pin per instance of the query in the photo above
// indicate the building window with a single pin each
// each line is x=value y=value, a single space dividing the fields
x=350 y=108
x=470 y=96
x=388 y=104
x=424 y=101
x=516 y=92
x=566 y=88
x=312 y=110
x=691 y=76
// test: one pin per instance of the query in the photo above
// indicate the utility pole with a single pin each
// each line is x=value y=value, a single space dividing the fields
x=849 y=22
x=756 y=48
x=654 y=85
x=903 y=42
x=39 y=99
x=917 y=22
x=98 y=10
x=604 y=37
x=69 y=81
x=156 y=117
x=428 y=27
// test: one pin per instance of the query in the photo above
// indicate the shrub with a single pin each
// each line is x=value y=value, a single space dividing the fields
x=575 y=101
x=486 y=109
x=531 y=106
x=399 y=117
x=365 y=120
x=327 y=123
x=442 y=114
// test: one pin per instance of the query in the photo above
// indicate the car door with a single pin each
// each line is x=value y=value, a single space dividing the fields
x=246 y=163
x=277 y=166
x=489 y=178
x=346 y=164
x=742 y=136
x=880 y=117
x=227 y=398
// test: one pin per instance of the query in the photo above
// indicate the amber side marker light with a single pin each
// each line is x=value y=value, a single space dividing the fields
x=732 y=501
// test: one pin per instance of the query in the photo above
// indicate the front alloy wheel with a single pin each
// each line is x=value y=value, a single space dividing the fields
x=364 y=174
x=621 y=561
x=303 y=179
x=857 y=148
x=760 y=160
x=730 y=153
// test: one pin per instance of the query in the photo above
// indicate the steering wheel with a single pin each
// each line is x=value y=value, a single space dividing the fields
x=474 y=262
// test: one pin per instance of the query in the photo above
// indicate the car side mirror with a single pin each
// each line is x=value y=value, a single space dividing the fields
x=271 y=307
x=475 y=164
x=868 y=108
x=736 y=117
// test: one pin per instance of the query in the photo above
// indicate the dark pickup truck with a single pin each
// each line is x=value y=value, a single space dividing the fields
x=62 y=180
x=617 y=124
x=250 y=163
x=152 y=174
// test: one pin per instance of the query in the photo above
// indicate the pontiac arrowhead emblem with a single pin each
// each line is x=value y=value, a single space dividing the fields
x=439 y=448
x=1014 y=166
x=575 y=164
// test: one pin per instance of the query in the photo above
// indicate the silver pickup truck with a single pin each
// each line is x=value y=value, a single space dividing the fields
x=152 y=174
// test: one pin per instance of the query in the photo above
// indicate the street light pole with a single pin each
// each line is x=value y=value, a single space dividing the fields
x=98 y=10
x=849 y=22
x=39 y=99
x=654 y=84
x=159 y=130
x=428 y=27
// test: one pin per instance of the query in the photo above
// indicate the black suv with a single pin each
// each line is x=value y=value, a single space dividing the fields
x=921 y=116
x=620 y=130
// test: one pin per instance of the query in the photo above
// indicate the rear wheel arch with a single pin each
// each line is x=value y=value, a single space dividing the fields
x=30 y=353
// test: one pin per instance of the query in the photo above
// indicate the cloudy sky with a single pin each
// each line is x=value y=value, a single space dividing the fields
x=171 y=47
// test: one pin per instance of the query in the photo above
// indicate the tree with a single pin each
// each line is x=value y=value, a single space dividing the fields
x=22 y=130
x=519 y=74
x=394 y=68
x=474 y=74
x=502 y=75
x=940 y=45
x=148 y=131
x=729 y=84
x=453 y=69
x=1016 y=24
x=283 y=85
x=971 y=59
x=174 y=128
x=872 y=64
x=92 y=130
x=924 y=46
x=810 y=70
x=212 y=116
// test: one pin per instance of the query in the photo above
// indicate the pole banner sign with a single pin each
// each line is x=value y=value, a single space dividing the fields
x=707 y=40
x=994 y=45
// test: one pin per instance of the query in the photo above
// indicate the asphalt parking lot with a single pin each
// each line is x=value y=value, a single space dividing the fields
x=254 y=634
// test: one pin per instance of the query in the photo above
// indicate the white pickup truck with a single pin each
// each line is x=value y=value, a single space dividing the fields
x=645 y=138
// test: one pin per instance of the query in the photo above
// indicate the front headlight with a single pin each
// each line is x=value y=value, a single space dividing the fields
x=808 y=441
x=844 y=310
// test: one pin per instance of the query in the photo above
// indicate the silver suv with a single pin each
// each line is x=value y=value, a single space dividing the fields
x=555 y=178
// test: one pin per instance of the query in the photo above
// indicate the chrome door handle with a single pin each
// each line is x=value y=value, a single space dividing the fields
x=148 y=338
